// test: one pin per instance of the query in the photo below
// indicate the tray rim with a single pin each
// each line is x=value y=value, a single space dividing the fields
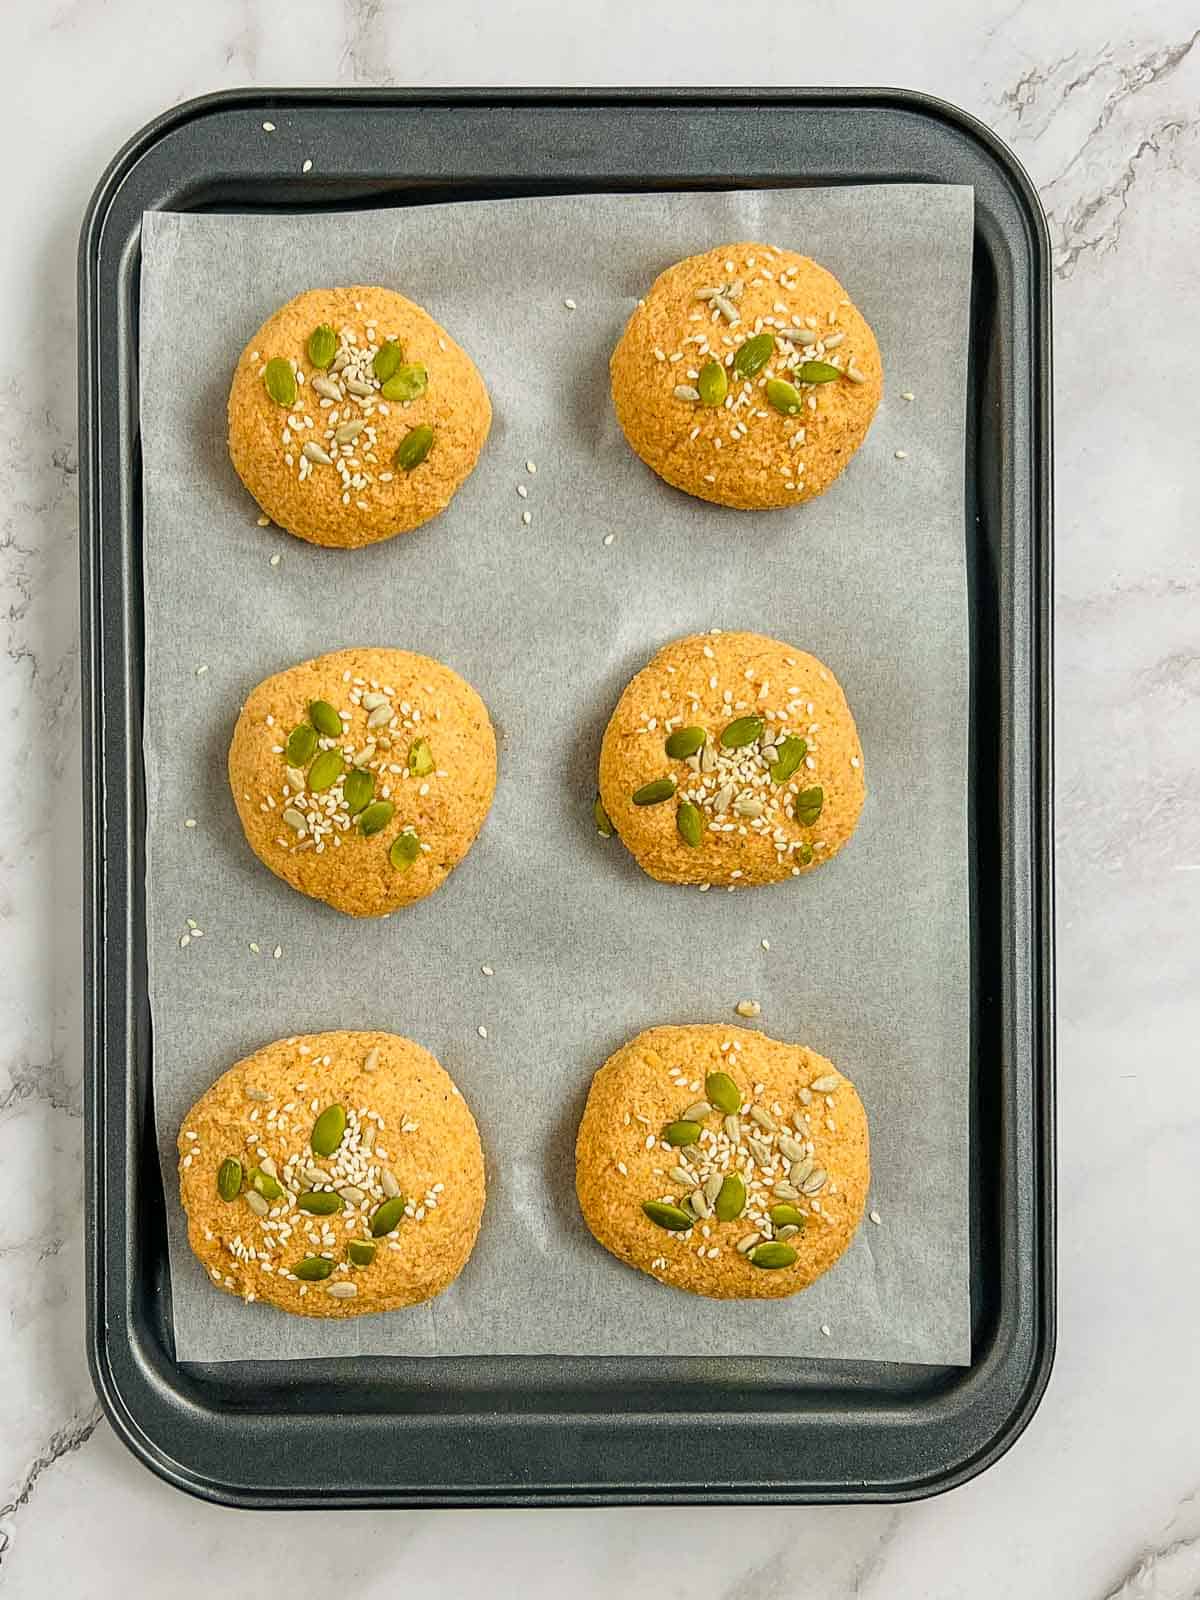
x=1040 y=882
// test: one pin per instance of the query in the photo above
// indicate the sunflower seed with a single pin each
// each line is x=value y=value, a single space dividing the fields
x=683 y=1176
x=295 y=780
x=295 y=819
x=708 y=757
x=854 y=374
x=832 y=340
x=760 y=1151
x=387 y=1179
x=815 y=1182
x=788 y=1147
x=722 y=798
x=764 y=1119
x=342 y=359
x=370 y=701
x=268 y=1166
x=748 y=1008
x=733 y=1129
x=253 y=1092
x=707 y=294
x=802 y=336
x=381 y=715
x=697 y=1112
x=372 y=1060
x=825 y=1084
x=348 y=431
x=748 y=805
x=800 y=1169
x=685 y=391
x=326 y=388
x=747 y=1244
x=312 y=452
x=712 y=1186
x=342 y=1290
x=786 y=1191
x=257 y=1204
x=727 y=309
x=805 y=1097
x=769 y=754
x=351 y=1195
x=357 y=387
x=699 y=1204
x=787 y=1231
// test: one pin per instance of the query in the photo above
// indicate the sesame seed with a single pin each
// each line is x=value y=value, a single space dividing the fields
x=825 y=1329
x=901 y=455
x=253 y=948
x=277 y=952
x=530 y=468
x=766 y=944
x=488 y=972
x=527 y=517
x=307 y=167
x=264 y=521
x=908 y=395
x=876 y=1218
x=482 y=1031
x=570 y=305
x=275 y=561
x=268 y=127
x=608 y=538
x=189 y=822
x=523 y=491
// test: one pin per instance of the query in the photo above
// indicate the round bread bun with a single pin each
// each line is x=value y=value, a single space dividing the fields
x=705 y=409
x=315 y=1114
x=694 y=1137
x=780 y=802
x=380 y=815
x=324 y=464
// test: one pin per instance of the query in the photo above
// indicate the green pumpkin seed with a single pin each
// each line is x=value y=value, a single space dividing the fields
x=312 y=1269
x=386 y=1218
x=229 y=1179
x=784 y=397
x=406 y=383
x=791 y=752
x=358 y=789
x=406 y=847
x=320 y=1203
x=653 y=794
x=772 y=1255
x=745 y=730
x=361 y=1252
x=387 y=360
x=785 y=1216
x=376 y=817
x=280 y=381
x=325 y=771
x=420 y=758
x=690 y=823
x=808 y=805
x=684 y=742
x=670 y=1217
x=325 y=719
x=804 y=853
x=682 y=1132
x=301 y=746
x=328 y=1130
x=601 y=818
x=713 y=384
x=754 y=355
x=731 y=1199
x=322 y=347
x=721 y=1091
x=265 y=1184
x=413 y=448
x=817 y=372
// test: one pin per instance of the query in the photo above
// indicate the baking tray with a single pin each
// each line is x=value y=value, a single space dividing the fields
x=494 y=1431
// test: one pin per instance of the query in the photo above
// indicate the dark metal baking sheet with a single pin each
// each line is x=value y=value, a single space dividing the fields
x=492 y=1431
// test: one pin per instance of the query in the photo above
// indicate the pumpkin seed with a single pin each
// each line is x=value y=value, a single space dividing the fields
x=817 y=372
x=322 y=346
x=673 y=1218
x=681 y=1132
x=713 y=384
x=376 y=817
x=406 y=847
x=257 y=1204
x=789 y=753
x=723 y=1093
x=804 y=853
x=772 y=1255
x=406 y=383
x=785 y=1216
x=320 y=1202
x=413 y=448
x=280 y=381
x=301 y=745
x=325 y=719
x=784 y=397
x=731 y=1201
x=742 y=731
x=358 y=789
x=312 y=1269
x=689 y=823
x=386 y=1218
x=653 y=794
x=387 y=360
x=604 y=826
x=361 y=1252
x=684 y=742
x=808 y=805
x=264 y=1184
x=328 y=1130
x=420 y=758
x=343 y=1290
x=229 y=1179
x=754 y=355
x=325 y=771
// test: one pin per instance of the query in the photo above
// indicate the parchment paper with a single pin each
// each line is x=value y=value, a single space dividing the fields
x=868 y=958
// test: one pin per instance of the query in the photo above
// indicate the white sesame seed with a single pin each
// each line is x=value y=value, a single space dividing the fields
x=253 y=948
x=268 y=127
x=482 y=1031
x=908 y=395
x=876 y=1218
x=901 y=455
x=766 y=944
x=825 y=1329
x=523 y=491
x=608 y=538
x=527 y=517
x=488 y=972
x=275 y=560
x=307 y=167
x=277 y=952
x=530 y=468
x=570 y=305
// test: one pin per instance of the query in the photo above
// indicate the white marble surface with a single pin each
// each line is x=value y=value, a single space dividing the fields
x=1102 y=1496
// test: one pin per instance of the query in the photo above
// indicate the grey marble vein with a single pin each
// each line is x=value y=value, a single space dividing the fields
x=73 y=1436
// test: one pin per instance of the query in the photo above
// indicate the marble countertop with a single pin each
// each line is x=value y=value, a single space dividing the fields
x=1101 y=1497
